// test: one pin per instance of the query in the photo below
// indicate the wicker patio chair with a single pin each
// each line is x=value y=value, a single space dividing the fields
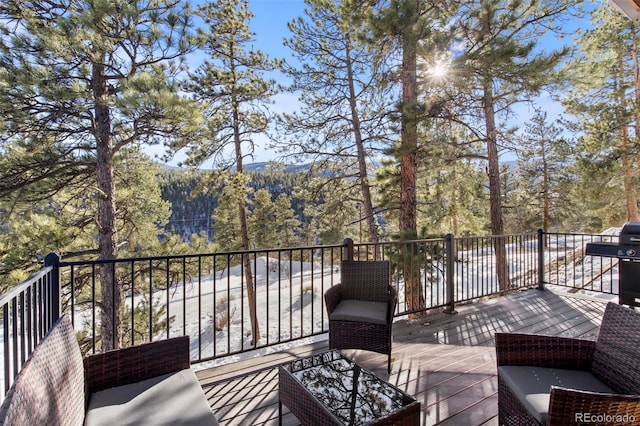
x=568 y=381
x=361 y=308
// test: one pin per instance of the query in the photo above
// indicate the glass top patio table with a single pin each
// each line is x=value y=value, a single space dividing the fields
x=332 y=389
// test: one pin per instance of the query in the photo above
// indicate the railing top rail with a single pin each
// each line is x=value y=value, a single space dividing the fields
x=381 y=243
x=313 y=247
x=189 y=256
x=17 y=290
x=505 y=236
x=583 y=234
x=441 y=239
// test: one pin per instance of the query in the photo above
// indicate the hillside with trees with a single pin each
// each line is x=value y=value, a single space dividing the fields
x=193 y=204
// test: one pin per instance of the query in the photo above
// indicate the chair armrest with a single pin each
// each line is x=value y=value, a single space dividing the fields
x=543 y=351
x=332 y=297
x=570 y=407
x=133 y=364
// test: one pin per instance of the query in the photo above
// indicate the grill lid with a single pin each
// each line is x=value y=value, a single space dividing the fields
x=630 y=234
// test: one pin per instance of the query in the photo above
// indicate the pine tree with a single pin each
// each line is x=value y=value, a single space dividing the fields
x=343 y=116
x=65 y=224
x=408 y=27
x=82 y=80
x=544 y=159
x=230 y=81
x=502 y=66
x=451 y=183
x=272 y=223
x=329 y=210
x=604 y=97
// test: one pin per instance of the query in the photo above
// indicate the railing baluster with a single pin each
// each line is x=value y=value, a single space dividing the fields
x=229 y=313
x=290 y=293
x=215 y=306
x=150 y=300
x=14 y=335
x=132 y=277
x=267 y=298
x=8 y=379
x=94 y=329
x=282 y=272
x=199 y=307
x=29 y=309
x=168 y=290
x=184 y=296
x=541 y=262
x=301 y=294
x=22 y=330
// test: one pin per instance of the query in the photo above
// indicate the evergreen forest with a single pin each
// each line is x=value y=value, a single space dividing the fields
x=413 y=119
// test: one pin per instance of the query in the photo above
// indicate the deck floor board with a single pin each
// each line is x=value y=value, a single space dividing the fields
x=445 y=361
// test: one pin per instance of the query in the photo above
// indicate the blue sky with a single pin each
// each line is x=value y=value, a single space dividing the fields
x=270 y=27
x=270 y=23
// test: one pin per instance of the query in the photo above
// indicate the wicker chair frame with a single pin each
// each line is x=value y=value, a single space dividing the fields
x=363 y=335
x=54 y=385
x=136 y=363
x=614 y=358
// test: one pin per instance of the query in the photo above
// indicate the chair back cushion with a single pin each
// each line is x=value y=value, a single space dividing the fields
x=49 y=390
x=366 y=280
x=616 y=360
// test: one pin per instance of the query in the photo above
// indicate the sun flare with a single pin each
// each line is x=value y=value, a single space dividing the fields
x=439 y=70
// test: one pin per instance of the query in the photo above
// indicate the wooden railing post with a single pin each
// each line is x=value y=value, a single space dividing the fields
x=53 y=260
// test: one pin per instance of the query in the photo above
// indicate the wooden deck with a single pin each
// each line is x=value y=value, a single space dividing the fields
x=445 y=361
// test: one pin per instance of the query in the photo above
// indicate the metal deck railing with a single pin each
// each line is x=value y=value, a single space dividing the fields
x=206 y=296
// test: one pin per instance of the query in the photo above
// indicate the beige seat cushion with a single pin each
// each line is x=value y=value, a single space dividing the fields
x=532 y=385
x=172 y=399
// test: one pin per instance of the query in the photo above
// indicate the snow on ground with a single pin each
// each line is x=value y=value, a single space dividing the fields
x=289 y=305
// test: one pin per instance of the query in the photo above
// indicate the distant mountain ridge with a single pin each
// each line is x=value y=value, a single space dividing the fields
x=258 y=167
x=289 y=168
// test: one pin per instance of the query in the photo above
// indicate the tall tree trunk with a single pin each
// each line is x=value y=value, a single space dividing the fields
x=248 y=274
x=409 y=159
x=107 y=240
x=636 y=135
x=546 y=190
x=628 y=153
x=372 y=229
x=495 y=197
x=409 y=140
x=244 y=231
x=629 y=173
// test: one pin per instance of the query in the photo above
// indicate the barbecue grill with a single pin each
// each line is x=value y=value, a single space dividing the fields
x=627 y=250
